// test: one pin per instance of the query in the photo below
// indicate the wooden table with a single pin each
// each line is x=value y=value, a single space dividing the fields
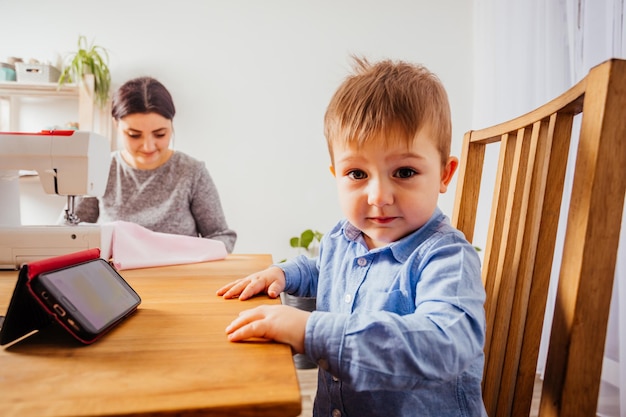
x=170 y=358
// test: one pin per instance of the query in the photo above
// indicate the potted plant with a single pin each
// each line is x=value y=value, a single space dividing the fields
x=305 y=240
x=307 y=243
x=89 y=59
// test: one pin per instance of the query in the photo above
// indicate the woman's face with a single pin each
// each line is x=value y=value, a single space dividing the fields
x=146 y=138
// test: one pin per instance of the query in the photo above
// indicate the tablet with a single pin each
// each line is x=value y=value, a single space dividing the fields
x=88 y=298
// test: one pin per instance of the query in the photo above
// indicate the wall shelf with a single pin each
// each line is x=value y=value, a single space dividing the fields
x=17 y=89
x=90 y=116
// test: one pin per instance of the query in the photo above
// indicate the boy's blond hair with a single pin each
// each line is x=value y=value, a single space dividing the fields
x=388 y=97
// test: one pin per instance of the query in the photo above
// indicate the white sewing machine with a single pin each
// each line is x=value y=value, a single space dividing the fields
x=69 y=163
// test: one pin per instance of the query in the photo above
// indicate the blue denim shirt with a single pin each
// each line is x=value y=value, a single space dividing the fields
x=398 y=330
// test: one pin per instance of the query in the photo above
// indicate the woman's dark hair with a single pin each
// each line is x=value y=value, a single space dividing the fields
x=142 y=95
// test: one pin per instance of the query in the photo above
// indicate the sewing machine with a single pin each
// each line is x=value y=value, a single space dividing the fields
x=69 y=163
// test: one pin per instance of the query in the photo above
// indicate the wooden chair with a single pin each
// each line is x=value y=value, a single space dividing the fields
x=521 y=241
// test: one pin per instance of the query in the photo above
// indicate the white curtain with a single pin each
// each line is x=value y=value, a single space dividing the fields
x=526 y=53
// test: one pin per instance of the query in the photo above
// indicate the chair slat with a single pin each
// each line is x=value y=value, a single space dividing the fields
x=491 y=279
x=466 y=202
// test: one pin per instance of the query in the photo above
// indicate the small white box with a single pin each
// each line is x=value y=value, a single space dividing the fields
x=36 y=73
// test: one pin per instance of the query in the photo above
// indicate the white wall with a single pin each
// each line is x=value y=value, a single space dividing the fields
x=251 y=80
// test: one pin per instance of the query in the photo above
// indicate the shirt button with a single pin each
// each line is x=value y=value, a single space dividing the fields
x=336 y=413
x=347 y=298
x=361 y=261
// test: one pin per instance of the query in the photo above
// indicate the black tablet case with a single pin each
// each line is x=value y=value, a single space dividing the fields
x=25 y=314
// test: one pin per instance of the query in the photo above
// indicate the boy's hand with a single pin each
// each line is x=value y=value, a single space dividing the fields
x=270 y=281
x=278 y=322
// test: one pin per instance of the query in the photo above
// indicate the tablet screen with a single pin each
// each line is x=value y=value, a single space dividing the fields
x=92 y=292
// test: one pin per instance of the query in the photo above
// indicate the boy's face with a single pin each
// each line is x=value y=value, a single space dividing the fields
x=389 y=190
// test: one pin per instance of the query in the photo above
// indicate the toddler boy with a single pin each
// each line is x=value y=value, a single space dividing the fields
x=399 y=326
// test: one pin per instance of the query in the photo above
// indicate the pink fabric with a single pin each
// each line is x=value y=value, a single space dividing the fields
x=132 y=246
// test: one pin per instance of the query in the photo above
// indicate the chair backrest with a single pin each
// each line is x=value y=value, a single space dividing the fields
x=529 y=183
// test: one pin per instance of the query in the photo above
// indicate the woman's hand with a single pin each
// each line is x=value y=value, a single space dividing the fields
x=276 y=322
x=270 y=280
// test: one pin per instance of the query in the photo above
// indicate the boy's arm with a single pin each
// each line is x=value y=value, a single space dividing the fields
x=384 y=350
x=301 y=275
x=296 y=276
x=280 y=323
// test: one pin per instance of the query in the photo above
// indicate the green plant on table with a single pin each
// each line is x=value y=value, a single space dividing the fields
x=89 y=59
x=305 y=239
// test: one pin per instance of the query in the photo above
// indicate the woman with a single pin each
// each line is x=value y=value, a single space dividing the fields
x=149 y=183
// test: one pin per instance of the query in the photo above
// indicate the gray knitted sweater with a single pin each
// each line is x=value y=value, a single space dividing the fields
x=179 y=197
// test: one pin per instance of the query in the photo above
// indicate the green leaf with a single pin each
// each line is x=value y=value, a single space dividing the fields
x=306 y=238
x=89 y=59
